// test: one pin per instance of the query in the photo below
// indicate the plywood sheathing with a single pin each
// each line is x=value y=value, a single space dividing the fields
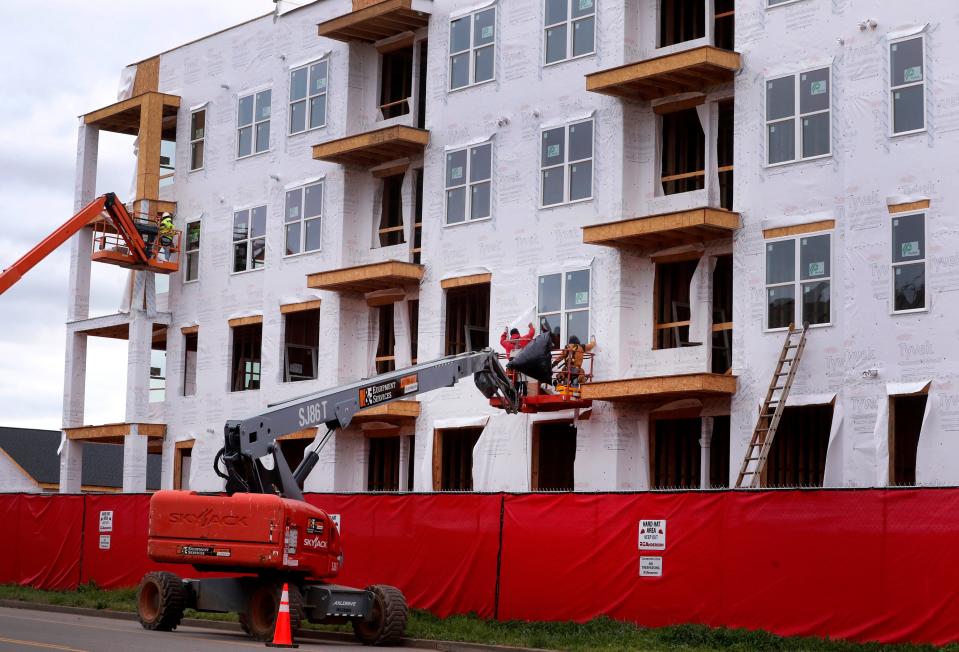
x=909 y=207
x=661 y=388
x=799 y=229
x=190 y=330
x=665 y=230
x=113 y=433
x=367 y=278
x=245 y=321
x=384 y=297
x=300 y=307
x=395 y=413
x=122 y=332
x=374 y=20
x=374 y=147
x=689 y=71
x=463 y=281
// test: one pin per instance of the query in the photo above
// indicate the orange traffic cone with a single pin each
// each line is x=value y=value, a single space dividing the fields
x=282 y=637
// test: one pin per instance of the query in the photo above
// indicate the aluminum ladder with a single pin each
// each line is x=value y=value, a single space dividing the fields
x=750 y=474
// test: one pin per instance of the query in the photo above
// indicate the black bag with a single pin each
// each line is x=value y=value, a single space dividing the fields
x=534 y=359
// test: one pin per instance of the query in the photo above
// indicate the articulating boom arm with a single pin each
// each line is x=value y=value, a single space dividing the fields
x=247 y=441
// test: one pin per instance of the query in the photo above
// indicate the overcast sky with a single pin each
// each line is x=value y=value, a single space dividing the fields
x=60 y=59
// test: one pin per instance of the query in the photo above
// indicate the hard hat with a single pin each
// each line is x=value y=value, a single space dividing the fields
x=165 y=215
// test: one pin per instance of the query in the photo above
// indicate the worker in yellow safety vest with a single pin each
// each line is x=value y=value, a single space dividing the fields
x=166 y=232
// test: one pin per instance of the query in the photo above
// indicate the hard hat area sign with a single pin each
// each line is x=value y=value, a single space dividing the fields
x=106 y=521
x=652 y=534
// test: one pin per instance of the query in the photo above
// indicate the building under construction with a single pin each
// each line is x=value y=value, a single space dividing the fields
x=361 y=185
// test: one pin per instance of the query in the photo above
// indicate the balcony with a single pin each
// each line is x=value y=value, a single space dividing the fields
x=664 y=230
x=687 y=71
x=126 y=116
x=662 y=388
x=375 y=147
x=367 y=278
x=374 y=20
x=117 y=327
x=114 y=433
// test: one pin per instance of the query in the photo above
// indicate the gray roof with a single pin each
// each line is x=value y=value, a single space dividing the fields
x=36 y=452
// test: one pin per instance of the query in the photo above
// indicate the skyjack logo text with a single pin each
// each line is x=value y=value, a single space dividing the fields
x=207 y=517
x=314 y=542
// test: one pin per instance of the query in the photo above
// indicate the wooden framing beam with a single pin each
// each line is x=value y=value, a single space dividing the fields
x=909 y=207
x=666 y=108
x=799 y=229
x=303 y=306
x=375 y=147
x=384 y=297
x=190 y=330
x=115 y=431
x=661 y=387
x=396 y=413
x=306 y=433
x=245 y=321
x=695 y=225
x=375 y=20
x=463 y=281
x=367 y=278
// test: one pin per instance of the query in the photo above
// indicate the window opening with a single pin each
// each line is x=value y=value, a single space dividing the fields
x=249 y=239
x=563 y=305
x=806 y=275
x=302 y=341
x=383 y=464
x=253 y=123
x=672 y=303
x=908 y=85
x=453 y=458
x=191 y=343
x=197 y=138
x=724 y=154
x=908 y=262
x=468 y=180
x=192 y=251
x=308 y=87
x=386 y=342
x=675 y=453
x=554 y=455
x=472 y=48
x=246 y=357
x=905 y=424
x=566 y=164
x=570 y=29
x=684 y=152
x=303 y=219
x=467 y=318
x=722 y=359
x=391 y=218
x=396 y=83
x=798 y=454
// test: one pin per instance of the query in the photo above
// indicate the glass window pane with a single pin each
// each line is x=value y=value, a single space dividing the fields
x=909 y=286
x=814 y=91
x=455 y=168
x=244 y=145
x=780 y=261
x=258 y=215
x=550 y=293
x=196 y=155
x=908 y=109
x=577 y=323
x=815 y=302
x=556 y=43
x=580 y=180
x=556 y=11
x=192 y=267
x=554 y=147
x=781 y=306
x=298 y=80
x=262 y=136
x=814 y=258
x=483 y=29
x=460 y=70
x=314 y=235
x=317 y=111
x=313 y=200
x=780 y=98
x=263 y=105
x=294 y=205
x=553 y=186
x=782 y=141
x=293 y=238
x=318 y=77
x=583 y=8
x=908 y=238
x=480 y=201
x=239 y=256
x=577 y=289
x=259 y=252
x=815 y=135
x=551 y=323
x=241 y=225
x=584 y=36
x=480 y=162
x=245 y=114
x=483 y=70
x=197 y=125
x=297 y=117
x=455 y=205
x=906 y=62
x=193 y=235
x=581 y=141
x=460 y=34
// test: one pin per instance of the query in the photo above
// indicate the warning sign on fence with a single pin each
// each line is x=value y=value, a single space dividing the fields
x=106 y=521
x=104 y=542
x=652 y=535
x=336 y=521
x=650 y=566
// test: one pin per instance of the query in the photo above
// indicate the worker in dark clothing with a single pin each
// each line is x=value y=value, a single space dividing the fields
x=571 y=371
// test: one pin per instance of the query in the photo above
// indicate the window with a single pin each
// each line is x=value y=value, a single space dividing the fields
x=907 y=85
x=804 y=97
x=246 y=357
x=681 y=20
x=158 y=372
x=905 y=424
x=724 y=154
x=396 y=82
x=167 y=162
x=472 y=48
x=182 y=462
x=391 y=216
x=567 y=153
x=812 y=268
x=570 y=29
x=554 y=455
x=190 y=350
x=563 y=304
x=722 y=354
x=672 y=304
x=301 y=343
x=684 y=153
x=253 y=124
x=773 y=3
x=453 y=458
x=417 y=250
x=909 y=262
x=197 y=137
x=797 y=457
x=249 y=239
x=414 y=307
x=674 y=454
x=719 y=453
x=468 y=174
x=192 y=251
x=307 y=98
x=724 y=24
x=386 y=339
x=304 y=210
x=383 y=464
x=467 y=318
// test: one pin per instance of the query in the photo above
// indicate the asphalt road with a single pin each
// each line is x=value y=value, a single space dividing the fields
x=26 y=630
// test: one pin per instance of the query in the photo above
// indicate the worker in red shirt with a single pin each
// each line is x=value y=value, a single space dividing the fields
x=511 y=341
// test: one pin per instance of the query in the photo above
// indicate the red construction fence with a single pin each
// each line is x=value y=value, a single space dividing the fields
x=860 y=564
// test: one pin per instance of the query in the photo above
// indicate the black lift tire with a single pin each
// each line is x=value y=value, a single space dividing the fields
x=161 y=599
x=259 y=620
x=387 y=624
